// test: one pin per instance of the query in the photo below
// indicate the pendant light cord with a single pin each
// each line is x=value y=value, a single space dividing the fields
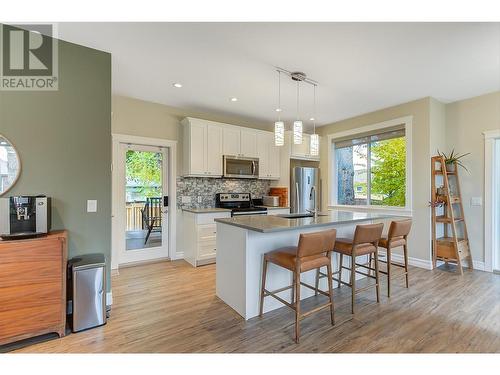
x=279 y=95
x=314 y=110
x=297 y=100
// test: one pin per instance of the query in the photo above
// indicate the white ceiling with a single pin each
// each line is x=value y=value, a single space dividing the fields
x=360 y=67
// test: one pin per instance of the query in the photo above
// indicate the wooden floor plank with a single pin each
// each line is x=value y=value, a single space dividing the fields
x=171 y=307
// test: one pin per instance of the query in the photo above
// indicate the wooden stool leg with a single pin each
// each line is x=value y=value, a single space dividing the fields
x=405 y=247
x=341 y=261
x=389 y=250
x=293 y=289
x=297 y=307
x=353 y=281
x=370 y=261
x=330 y=292
x=317 y=281
x=377 y=278
x=263 y=286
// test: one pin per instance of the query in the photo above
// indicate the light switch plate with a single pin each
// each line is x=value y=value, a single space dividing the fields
x=92 y=206
x=186 y=199
x=476 y=201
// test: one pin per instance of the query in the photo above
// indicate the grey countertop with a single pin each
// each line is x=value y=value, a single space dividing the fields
x=214 y=209
x=205 y=210
x=269 y=224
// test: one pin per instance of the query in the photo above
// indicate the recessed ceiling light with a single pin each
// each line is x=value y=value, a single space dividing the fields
x=178 y=85
x=278 y=110
x=234 y=99
x=311 y=119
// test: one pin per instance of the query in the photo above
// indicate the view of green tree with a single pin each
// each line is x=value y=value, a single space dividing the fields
x=388 y=171
x=144 y=170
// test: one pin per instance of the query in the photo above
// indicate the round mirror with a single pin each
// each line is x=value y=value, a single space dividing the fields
x=10 y=165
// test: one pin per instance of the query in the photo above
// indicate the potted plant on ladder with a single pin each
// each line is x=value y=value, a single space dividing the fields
x=453 y=159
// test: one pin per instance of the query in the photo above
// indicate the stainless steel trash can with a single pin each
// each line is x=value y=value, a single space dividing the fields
x=88 y=291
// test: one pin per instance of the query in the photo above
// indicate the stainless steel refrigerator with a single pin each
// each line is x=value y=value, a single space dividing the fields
x=304 y=188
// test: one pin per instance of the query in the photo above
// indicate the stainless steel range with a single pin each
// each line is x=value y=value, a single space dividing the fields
x=239 y=204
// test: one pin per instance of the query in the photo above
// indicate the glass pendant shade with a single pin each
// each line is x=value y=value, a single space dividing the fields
x=279 y=133
x=297 y=132
x=314 y=147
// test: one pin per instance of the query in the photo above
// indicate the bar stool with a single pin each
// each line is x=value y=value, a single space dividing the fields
x=313 y=251
x=397 y=236
x=365 y=241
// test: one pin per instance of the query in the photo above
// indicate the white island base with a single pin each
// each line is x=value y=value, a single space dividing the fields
x=239 y=265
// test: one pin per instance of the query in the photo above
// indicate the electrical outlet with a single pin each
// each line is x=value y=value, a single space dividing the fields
x=200 y=199
x=476 y=201
x=186 y=199
x=91 y=206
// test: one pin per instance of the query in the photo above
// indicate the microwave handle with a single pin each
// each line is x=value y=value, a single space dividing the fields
x=253 y=168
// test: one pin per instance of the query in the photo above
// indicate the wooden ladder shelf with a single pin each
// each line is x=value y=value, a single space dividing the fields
x=448 y=247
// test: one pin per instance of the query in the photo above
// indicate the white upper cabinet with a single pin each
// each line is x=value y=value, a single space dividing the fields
x=214 y=150
x=205 y=143
x=240 y=141
x=202 y=148
x=231 y=140
x=302 y=151
x=269 y=156
x=248 y=143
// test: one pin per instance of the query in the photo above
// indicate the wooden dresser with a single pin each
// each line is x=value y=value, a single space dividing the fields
x=33 y=287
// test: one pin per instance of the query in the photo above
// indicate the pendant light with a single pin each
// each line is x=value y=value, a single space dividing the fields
x=297 y=124
x=314 y=146
x=279 y=126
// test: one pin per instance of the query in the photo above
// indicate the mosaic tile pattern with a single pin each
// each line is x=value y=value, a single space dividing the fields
x=206 y=188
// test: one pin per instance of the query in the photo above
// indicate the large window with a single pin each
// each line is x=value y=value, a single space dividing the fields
x=371 y=169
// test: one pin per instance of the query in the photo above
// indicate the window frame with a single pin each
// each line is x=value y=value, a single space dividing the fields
x=406 y=122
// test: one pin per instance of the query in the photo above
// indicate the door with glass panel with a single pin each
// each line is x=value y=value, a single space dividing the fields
x=145 y=203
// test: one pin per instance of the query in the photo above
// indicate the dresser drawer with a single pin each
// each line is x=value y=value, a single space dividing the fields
x=207 y=232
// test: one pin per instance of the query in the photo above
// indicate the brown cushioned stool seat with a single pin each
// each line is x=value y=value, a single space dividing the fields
x=396 y=237
x=313 y=252
x=364 y=242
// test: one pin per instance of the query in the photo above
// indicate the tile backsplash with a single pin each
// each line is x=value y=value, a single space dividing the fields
x=204 y=189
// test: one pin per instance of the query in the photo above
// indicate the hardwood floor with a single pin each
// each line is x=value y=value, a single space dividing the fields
x=171 y=307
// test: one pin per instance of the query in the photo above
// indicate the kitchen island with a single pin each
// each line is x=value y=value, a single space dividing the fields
x=242 y=241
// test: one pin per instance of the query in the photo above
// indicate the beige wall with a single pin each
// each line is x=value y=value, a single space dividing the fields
x=146 y=119
x=436 y=126
x=465 y=122
x=420 y=111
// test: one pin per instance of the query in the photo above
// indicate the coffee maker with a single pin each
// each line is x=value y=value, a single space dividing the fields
x=24 y=217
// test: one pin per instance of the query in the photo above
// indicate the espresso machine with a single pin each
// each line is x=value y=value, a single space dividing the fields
x=24 y=217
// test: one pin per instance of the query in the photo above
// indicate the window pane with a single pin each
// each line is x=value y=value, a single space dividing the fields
x=388 y=175
x=352 y=174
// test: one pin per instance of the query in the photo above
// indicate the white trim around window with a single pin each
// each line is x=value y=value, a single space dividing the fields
x=491 y=240
x=407 y=121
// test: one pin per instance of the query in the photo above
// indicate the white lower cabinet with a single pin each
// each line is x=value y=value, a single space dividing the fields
x=200 y=234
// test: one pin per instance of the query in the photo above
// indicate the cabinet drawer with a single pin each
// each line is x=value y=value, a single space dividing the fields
x=207 y=232
x=207 y=249
x=209 y=218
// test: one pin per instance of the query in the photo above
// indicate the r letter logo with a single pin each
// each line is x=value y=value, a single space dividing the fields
x=29 y=58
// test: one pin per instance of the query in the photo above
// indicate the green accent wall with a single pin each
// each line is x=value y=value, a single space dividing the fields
x=64 y=141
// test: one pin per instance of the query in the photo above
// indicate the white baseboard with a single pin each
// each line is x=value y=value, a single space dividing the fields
x=109 y=298
x=477 y=265
x=179 y=255
x=415 y=262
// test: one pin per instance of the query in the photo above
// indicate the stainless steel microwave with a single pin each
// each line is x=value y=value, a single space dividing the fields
x=240 y=167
